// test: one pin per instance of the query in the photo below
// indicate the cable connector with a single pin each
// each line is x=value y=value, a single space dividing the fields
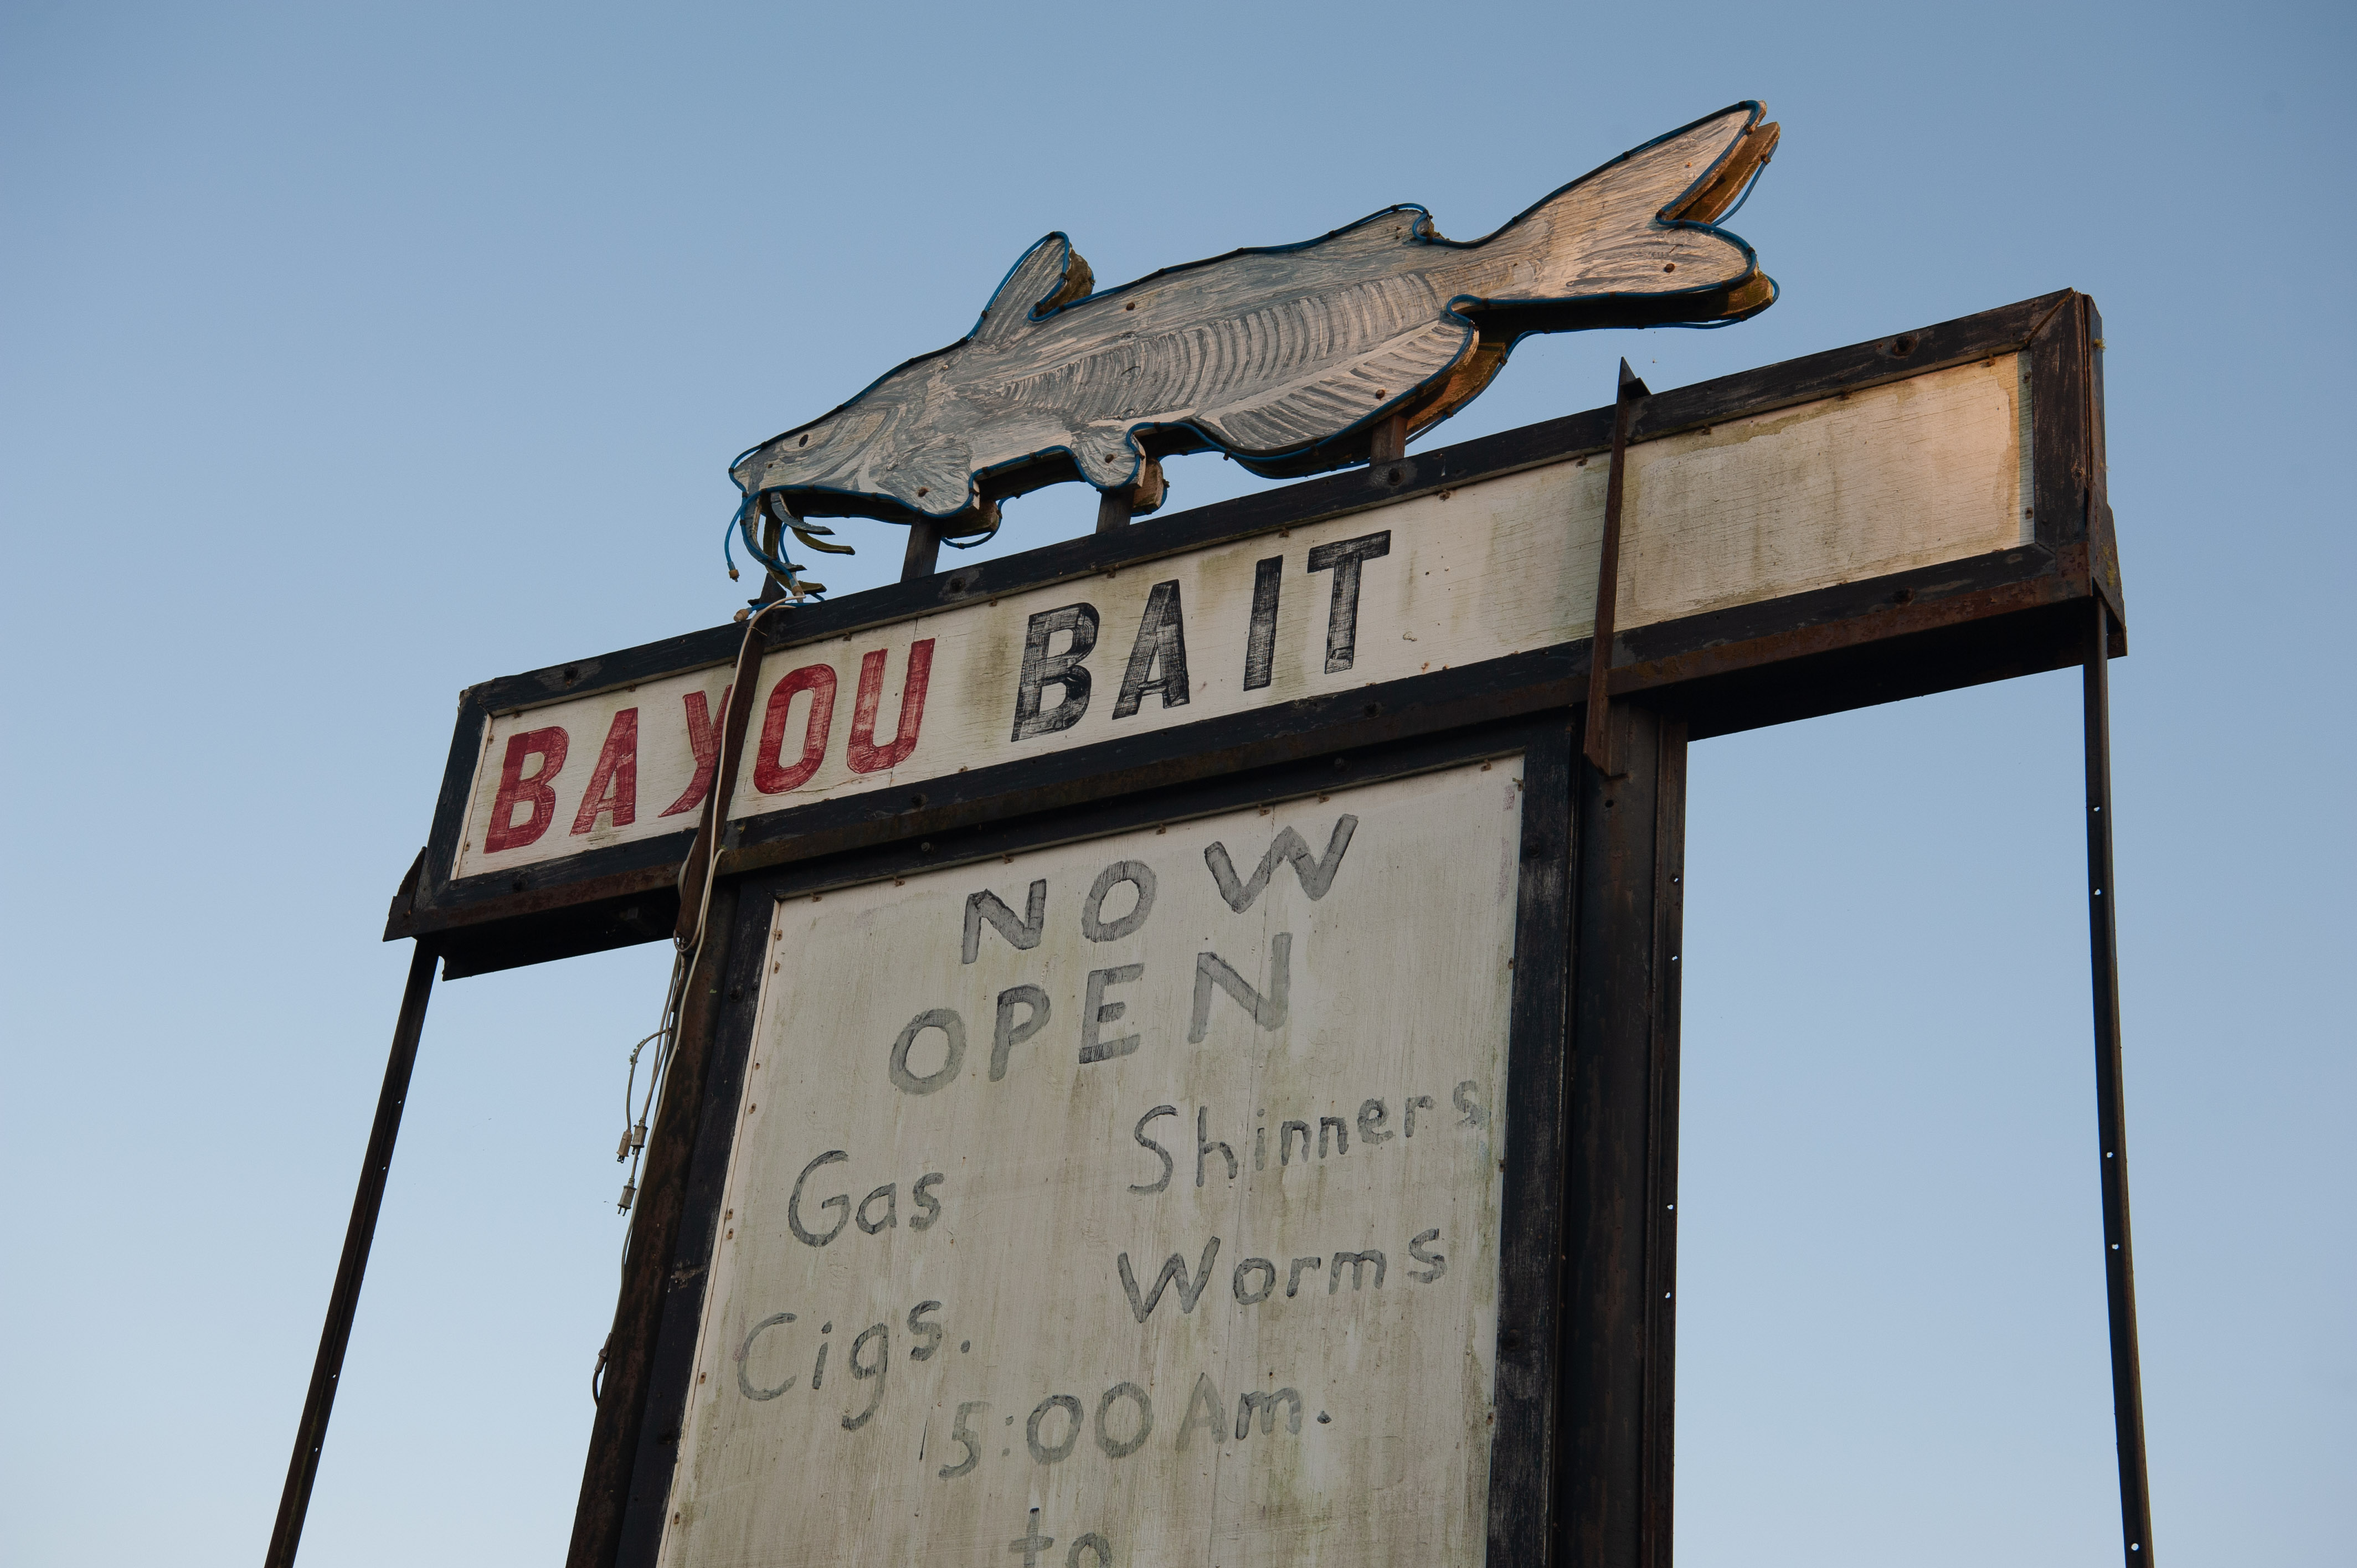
x=632 y=1142
x=630 y=1192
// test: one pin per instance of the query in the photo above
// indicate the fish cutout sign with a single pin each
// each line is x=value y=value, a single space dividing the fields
x=1285 y=358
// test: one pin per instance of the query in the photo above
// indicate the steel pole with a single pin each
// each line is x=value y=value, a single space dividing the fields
x=344 y=1300
x=2111 y=1107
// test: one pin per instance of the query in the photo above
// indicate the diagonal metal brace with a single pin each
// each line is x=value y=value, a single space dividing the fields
x=1599 y=745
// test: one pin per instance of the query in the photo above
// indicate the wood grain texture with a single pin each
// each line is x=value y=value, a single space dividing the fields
x=1287 y=358
x=1531 y=1321
x=1399 y=973
x=665 y=1207
x=1622 y=1155
x=1888 y=480
x=1818 y=650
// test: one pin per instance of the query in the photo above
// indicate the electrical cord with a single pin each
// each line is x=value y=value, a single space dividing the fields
x=665 y=1036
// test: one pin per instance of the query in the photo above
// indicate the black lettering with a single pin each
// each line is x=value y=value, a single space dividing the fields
x=1253 y=1265
x=1206 y=1398
x=963 y=1433
x=1064 y=671
x=1137 y=874
x=1158 y=659
x=743 y=1383
x=794 y=1204
x=1341 y=1136
x=1436 y=1265
x=1412 y=1102
x=1096 y=1012
x=1205 y=1143
x=1099 y=1548
x=1266 y=1405
x=1267 y=1011
x=925 y=1329
x=1474 y=1115
x=890 y=1193
x=1260 y=643
x=1174 y=1270
x=1006 y=1034
x=1358 y=1262
x=1168 y=1164
x=1372 y=1117
x=930 y=1206
x=881 y=1332
x=1044 y=1453
x=952 y=1029
x=1343 y=558
x=1033 y=1543
x=818 y=1368
x=1123 y=1448
x=1316 y=874
x=1023 y=934
x=1293 y=1279
x=1285 y=1143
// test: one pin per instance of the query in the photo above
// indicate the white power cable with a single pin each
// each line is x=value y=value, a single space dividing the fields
x=665 y=1038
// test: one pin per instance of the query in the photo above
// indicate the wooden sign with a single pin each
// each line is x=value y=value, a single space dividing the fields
x=1134 y=1201
x=1892 y=478
x=1285 y=358
x=1177 y=1060
x=1879 y=492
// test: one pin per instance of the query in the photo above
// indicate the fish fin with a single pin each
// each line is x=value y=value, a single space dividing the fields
x=1049 y=274
x=934 y=477
x=1333 y=398
x=1106 y=456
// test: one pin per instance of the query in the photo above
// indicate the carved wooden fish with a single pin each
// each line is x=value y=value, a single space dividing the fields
x=1285 y=358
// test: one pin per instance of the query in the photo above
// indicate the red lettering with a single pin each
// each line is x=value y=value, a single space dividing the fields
x=704 y=739
x=770 y=776
x=614 y=782
x=865 y=756
x=503 y=832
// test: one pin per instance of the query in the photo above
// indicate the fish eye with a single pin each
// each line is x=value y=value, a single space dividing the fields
x=805 y=440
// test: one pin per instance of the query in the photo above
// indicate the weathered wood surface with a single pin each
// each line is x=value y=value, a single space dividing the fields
x=965 y=1365
x=1909 y=474
x=1287 y=358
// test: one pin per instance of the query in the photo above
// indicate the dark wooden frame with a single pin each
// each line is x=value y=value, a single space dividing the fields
x=2007 y=613
x=1581 y=1465
x=627 y=1479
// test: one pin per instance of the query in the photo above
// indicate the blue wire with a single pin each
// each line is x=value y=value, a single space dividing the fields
x=1756 y=176
x=728 y=548
x=742 y=523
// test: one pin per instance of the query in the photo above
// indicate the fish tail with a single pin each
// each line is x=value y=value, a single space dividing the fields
x=1634 y=243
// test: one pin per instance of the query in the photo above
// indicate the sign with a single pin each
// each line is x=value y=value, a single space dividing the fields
x=1287 y=358
x=1901 y=475
x=1136 y=1200
x=1757 y=504
x=1180 y=1063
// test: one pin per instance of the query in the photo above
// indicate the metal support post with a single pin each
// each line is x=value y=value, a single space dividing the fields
x=2111 y=1105
x=343 y=1301
x=924 y=552
x=1596 y=746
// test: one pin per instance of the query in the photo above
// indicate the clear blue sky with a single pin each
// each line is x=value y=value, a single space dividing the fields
x=350 y=355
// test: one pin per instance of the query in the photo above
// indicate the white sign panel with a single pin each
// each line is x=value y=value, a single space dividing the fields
x=1133 y=1203
x=1932 y=468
